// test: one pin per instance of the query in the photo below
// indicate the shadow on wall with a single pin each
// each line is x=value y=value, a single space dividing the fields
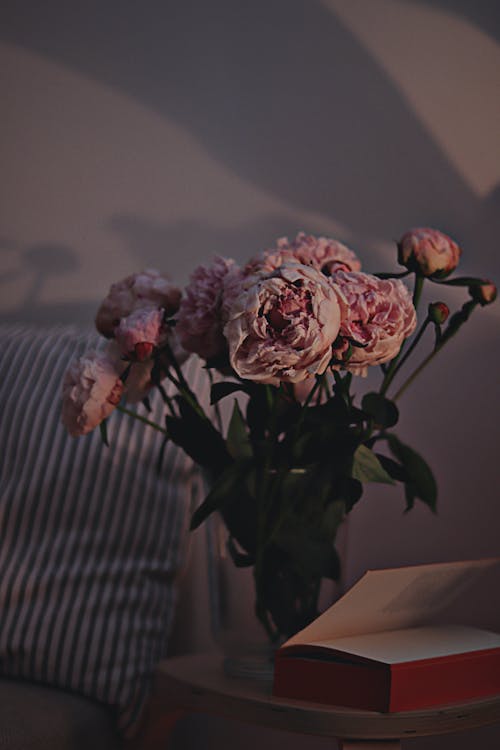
x=148 y=241
x=280 y=92
x=161 y=244
x=482 y=13
x=153 y=244
x=38 y=263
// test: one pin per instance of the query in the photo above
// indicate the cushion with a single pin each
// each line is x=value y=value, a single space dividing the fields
x=34 y=717
x=91 y=537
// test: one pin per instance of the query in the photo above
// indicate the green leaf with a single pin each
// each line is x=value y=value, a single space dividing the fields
x=342 y=384
x=197 y=437
x=410 y=497
x=103 y=429
x=257 y=412
x=161 y=454
x=240 y=559
x=220 y=362
x=349 y=491
x=383 y=411
x=293 y=485
x=395 y=470
x=303 y=447
x=421 y=482
x=222 y=492
x=156 y=372
x=337 y=409
x=238 y=440
x=241 y=510
x=367 y=468
x=220 y=390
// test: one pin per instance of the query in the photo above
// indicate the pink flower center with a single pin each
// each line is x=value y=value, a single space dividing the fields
x=143 y=350
x=290 y=305
x=116 y=393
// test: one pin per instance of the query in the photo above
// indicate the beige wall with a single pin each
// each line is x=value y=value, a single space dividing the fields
x=159 y=133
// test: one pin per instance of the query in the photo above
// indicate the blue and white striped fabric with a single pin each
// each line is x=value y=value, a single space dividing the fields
x=91 y=538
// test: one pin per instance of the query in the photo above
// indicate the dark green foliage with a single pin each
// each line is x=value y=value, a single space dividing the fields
x=383 y=412
x=196 y=435
x=420 y=482
x=103 y=429
x=238 y=440
x=367 y=467
x=219 y=391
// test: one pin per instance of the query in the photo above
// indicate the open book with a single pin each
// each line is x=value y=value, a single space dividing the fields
x=374 y=649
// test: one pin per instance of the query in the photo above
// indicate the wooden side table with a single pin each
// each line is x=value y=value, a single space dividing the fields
x=196 y=683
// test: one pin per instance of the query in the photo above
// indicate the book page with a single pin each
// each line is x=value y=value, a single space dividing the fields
x=412 y=644
x=394 y=599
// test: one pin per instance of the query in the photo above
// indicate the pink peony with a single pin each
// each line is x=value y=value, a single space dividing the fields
x=200 y=319
x=91 y=391
x=235 y=283
x=140 y=333
x=281 y=328
x=179 y=352
x=378 y=314
x=146 y=289
x=324 y=254
x=269 y=260
x=428 y=252
x=138 y=383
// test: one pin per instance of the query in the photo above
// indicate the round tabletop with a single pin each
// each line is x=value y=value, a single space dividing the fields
x=197 y=683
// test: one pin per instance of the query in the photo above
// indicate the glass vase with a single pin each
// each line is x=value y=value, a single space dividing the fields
x=246 y=647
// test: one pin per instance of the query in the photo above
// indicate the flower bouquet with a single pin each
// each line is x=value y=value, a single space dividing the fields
x=282 y=338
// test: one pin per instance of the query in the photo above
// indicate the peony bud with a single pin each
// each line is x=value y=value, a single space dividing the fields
x=143 y=350
x=140 y=332
x=428 y=252
x=485 y=293
x=438 y=312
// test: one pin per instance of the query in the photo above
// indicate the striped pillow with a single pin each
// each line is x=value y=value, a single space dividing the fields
x=91 y=538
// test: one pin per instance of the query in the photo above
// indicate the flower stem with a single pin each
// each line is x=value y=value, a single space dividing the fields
x=393 y=365
x=310 y=395
x=218 y=415
x=416 y=372
x=269 y=397
x=417 y=289
x=137 y=416
x=456 y=321
x=181 y=383
x=166 y=398
x=390 y=373
x=414 y=344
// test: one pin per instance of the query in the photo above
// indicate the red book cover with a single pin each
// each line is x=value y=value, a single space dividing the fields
x=373 y=651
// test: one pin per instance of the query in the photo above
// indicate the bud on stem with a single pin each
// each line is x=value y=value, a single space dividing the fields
x=438 y=312
x=484 y=293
